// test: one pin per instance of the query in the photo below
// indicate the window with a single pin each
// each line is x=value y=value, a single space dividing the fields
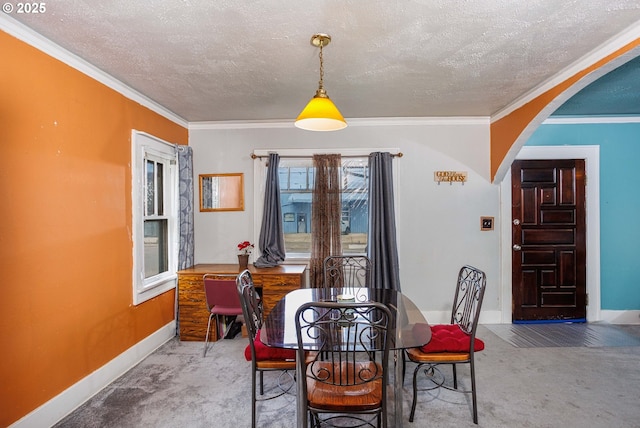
x=296 y=196
x=296 y=176
x=155 y=216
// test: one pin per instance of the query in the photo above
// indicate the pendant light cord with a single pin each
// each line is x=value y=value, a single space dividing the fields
x=320 y=83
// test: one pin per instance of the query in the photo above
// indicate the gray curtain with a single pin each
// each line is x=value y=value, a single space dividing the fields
x=185 y=216
x=185 y=192
x=382 y=247
x=271 y=234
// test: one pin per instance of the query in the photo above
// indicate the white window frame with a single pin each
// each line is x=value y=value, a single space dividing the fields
x=260 y=176
x=143 y=145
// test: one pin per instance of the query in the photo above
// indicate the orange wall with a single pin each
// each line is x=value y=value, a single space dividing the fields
x=505 y=131
x=65 y=185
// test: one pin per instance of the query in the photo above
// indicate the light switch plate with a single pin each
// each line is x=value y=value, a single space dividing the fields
x=486 y=223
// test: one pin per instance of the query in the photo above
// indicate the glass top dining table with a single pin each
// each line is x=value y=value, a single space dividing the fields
x=410 y=329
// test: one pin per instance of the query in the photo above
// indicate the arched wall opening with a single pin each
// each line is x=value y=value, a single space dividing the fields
x=510 y=132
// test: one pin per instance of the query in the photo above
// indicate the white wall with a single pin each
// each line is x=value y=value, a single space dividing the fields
x=438 y=225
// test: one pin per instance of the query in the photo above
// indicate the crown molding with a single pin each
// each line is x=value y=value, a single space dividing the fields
x=355 y=122
x=241 y=124
x=579 y=120
x=32 y=38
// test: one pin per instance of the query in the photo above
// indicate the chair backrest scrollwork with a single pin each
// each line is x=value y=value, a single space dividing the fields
x=352 y=340
x=468 y=298
x=346 y=271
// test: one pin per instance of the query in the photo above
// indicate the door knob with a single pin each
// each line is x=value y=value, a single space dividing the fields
x=516 y=222
x=516 y=247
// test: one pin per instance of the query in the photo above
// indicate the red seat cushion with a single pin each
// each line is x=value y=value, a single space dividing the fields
x=450 y=338
x=264 y=352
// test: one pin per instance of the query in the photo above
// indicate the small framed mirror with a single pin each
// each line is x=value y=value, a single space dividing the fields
x=222 y=192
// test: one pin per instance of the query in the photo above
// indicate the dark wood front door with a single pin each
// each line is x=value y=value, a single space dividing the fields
x=549 y=249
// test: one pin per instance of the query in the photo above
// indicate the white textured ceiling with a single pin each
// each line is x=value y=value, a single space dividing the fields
x=222 y=60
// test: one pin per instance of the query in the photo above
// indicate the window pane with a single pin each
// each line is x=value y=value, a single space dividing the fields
x=355 y=177
x=298 y=178
x=150 y=188
x=160 y=186
x=296 y=214
x=354 y=223
x=283 y=178
x=296 y=200
x=155 y=247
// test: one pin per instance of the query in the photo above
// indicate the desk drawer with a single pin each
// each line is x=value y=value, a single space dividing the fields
x=192 y=304
x=275 y=287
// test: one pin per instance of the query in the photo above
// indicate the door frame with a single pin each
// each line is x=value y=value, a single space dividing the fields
x=591 y=155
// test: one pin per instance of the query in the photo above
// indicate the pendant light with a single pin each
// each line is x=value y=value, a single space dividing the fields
x=321 y=114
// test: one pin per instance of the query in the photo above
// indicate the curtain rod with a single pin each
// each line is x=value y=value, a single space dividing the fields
x=254 y=156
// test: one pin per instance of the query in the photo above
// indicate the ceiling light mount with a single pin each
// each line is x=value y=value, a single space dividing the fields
x=320 y=39
x=320 y=114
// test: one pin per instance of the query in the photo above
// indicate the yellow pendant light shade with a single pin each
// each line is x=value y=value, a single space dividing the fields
x=320 y=114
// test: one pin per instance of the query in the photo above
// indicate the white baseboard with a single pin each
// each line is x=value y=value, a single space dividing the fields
x=495 y=317
x=620 y=317
x=443 y=317
x=67 y=401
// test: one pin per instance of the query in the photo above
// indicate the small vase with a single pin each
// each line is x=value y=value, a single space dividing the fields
x=243 y=261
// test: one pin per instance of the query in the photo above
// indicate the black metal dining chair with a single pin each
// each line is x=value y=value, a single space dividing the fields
x=454 y=343
x=263 y=358
x=347 y=377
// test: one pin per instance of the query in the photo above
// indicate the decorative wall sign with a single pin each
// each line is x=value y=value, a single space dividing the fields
x=450 y=176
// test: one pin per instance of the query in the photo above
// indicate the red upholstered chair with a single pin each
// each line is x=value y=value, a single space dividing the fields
x=263 y=358
x=222 y=300
x=453 y=343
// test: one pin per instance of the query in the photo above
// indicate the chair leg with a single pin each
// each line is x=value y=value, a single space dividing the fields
x=474 y=401
x=404 y=365
x=261 y=383
x=455 y=376
x=382 y=419
x=206 y=339
x=218 y=328
x=383 y=414
x=253 y=397
x=415 y=392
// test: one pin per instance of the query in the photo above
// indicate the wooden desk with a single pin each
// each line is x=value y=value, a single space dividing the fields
x=275 y=282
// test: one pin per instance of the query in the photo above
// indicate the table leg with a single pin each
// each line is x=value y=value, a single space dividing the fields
x=397 y=389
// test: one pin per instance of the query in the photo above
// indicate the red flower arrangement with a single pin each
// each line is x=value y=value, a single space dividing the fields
x=245 y=247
